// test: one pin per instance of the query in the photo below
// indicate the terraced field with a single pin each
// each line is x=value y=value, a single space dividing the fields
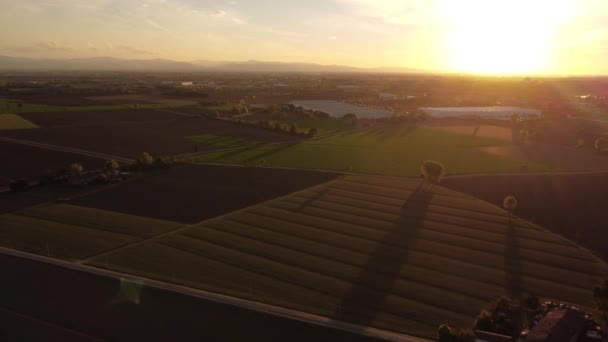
x=70 y=232
x=390 y=253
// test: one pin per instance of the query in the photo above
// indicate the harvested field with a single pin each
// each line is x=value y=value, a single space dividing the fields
x=82 y=306
x=160 y=137
x=394 y=254
x=195 y=192
x=52 y=119
x=556 y=157
x=70 y=232
x=12 y=121
x=571 y=205
x=32 y=162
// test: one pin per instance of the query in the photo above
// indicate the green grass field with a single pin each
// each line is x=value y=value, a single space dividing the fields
x=375 y=251
x=386 y=150
x=12 y=106
x=12 y=121
x=222 y=141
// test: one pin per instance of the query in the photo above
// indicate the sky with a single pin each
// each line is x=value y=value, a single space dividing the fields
x=478 y=36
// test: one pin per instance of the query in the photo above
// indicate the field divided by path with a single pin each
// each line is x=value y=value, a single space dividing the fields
x=393 y=150
x=395 y=254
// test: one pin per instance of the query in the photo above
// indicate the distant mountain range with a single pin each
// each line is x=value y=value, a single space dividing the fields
x=164 y=65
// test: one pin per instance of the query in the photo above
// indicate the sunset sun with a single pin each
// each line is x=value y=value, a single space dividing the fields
x=502 y=38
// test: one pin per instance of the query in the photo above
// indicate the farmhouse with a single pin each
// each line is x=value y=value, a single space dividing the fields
x=558 y=326
x=501 y=113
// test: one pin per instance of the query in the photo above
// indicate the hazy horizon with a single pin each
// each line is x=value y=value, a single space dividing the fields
x=561 y=37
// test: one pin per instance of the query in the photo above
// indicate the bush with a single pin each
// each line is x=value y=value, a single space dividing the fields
x=432 y=171
x=510 y=203
x=312 y=132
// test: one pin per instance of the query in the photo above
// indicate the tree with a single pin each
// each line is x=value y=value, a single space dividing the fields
x=483 y=321
x=600 y=144
x=145 y=159
x=432 y=171
x=444 y=333
x=510 y=204
x=111 y=165
x=293 y=129
x=600 y=294
x=532 y=302
x=75 y=169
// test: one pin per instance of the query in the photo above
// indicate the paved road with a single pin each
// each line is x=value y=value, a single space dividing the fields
x=89 y=301
x=68 y=149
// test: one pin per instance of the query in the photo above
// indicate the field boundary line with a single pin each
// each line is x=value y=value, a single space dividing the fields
x=187 y=226
x=67 y=149
x=222 y=299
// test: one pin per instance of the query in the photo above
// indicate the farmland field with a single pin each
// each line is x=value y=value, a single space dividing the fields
x=13 y=106
x=12 y=121
x=393 y=150
x=193 y=193
x=222 y=142
x=395 y=254
x=131 y=138
x=32 y=162
x=82 y=306
x=46 y=119
x=571 y=205
x=488 y=131
x=70 y=232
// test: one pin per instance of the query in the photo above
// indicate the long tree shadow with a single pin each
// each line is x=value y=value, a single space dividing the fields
x=513 y=268
x=365 y=299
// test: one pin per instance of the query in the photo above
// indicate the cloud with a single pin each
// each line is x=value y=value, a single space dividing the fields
x=156 y=25
x=217 y=13
x=133 y=50
x=395 y=12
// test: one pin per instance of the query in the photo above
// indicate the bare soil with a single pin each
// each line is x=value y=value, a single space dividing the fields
x=195 y=192
x=130 y=139
x=32 y=162
x=557 y=157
